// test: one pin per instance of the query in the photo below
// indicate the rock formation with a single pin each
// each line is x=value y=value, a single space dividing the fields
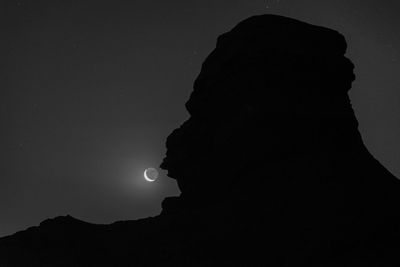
x=271 y=166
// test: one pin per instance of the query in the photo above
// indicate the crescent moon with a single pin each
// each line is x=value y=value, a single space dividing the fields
x=147 y=177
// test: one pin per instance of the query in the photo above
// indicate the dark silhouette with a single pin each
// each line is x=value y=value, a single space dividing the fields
x=271 y=166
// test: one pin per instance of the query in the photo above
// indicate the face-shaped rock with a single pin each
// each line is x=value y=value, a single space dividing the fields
x=257 y=98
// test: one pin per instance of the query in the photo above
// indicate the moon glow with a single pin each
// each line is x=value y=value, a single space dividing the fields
x=150 y=174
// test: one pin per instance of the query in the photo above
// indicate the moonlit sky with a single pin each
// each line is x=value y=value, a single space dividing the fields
x=91 y=89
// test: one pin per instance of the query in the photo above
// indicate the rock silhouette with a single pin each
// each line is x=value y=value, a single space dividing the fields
x=271 y=167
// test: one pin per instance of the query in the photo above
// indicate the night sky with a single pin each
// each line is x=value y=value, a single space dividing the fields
x=91 y=89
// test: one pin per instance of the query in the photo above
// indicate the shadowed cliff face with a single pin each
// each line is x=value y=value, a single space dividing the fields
x=271 y=166
x=273 y=89
x=272 y=135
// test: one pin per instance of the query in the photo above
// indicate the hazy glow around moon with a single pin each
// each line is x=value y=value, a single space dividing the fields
x=150 y=174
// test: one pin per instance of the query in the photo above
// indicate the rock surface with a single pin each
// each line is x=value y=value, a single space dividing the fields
x=271 y=166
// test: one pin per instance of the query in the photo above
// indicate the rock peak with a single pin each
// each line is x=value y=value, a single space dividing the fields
x=269 y=78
